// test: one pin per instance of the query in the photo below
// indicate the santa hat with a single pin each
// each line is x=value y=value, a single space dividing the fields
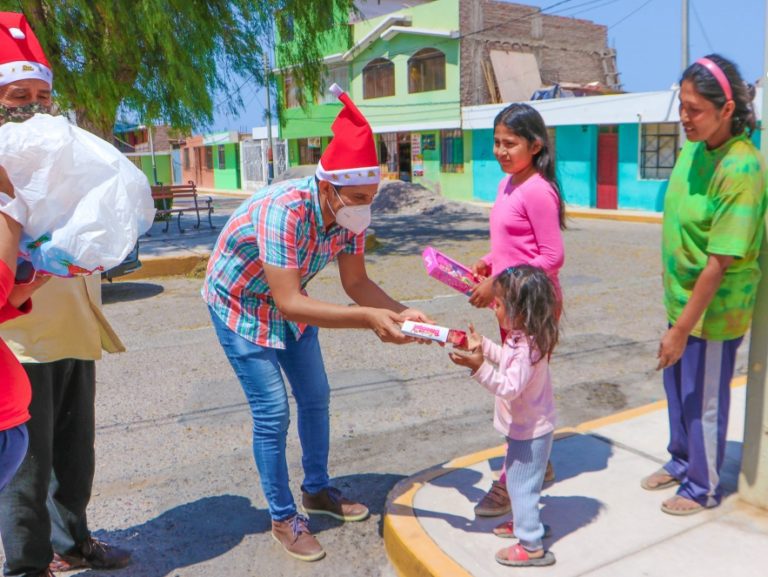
x=350 y=158
x=21 y=56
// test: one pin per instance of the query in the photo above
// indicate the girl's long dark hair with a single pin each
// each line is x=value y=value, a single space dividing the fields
x=706 y=84
x=526 y=122
x=530 y=300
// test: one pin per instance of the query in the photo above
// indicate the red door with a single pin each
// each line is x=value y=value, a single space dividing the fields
x=607 y=168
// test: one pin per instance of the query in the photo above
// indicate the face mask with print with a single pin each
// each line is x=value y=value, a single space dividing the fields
x=354 y=218
x=22 y=113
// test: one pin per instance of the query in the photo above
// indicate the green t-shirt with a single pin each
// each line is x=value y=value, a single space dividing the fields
x=715 y=204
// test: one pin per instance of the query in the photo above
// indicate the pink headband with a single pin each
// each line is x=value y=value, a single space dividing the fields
x=719 y=75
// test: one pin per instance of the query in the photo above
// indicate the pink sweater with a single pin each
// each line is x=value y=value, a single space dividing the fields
x=525 y=404
x=525 y=228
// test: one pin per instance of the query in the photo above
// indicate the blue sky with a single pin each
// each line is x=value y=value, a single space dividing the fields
x=646 y=35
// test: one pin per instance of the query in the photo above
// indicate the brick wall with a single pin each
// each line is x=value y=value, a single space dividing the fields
x=566 y=49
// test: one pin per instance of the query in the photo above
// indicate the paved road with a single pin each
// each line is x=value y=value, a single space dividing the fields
x=176 y=480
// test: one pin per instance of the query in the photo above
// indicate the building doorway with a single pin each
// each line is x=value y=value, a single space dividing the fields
x=607 y=168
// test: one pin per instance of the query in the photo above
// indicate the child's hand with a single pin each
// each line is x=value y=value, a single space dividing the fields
x=482 y=295
x=481 y=269
x=474 y=339
x=472 y=359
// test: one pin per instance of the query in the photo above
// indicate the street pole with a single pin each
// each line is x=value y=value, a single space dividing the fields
x=685 y=56
x=270 y=165
x=753 y=478
x=152 y=153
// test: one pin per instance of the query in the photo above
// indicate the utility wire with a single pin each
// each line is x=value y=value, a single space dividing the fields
x=635 y=11
x=701 y=26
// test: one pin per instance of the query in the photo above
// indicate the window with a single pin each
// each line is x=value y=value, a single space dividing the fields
x=290 y=91
x=222 y=157
x=426 y=71
x=379 y=78
x=209 y=157
x=186 y=159
x=309 y=150
x=338 y=75
x=658 y=150
x=451 y=151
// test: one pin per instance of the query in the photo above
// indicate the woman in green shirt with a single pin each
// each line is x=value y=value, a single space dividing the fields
x=714 y=212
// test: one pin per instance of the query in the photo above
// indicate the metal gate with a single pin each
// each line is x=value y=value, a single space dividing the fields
x=254 y=165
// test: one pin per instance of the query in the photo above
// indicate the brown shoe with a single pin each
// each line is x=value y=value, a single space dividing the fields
x=549 y=475
x=293 y=534
x=92 y=554
x=330 y=501
x=495 y=502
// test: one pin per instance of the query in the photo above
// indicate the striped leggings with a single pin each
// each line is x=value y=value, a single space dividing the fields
x=525 y=465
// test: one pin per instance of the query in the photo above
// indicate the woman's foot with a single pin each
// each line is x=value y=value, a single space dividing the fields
x=679 y=505
x=658 y=480
x=519 y=556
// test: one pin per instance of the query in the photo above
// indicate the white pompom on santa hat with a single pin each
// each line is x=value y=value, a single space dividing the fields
x=21 y=56
x=351 y=157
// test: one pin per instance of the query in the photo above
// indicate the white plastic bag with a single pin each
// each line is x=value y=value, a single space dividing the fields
x=87 y=204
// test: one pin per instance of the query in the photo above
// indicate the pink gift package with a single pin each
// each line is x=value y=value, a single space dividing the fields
x=435 y=333
x=448 y=271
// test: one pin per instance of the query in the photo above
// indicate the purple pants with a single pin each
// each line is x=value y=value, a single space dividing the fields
x=13 y=448
x=698 y=391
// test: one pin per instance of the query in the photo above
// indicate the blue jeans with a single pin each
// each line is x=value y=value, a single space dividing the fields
x=258 y=369
x=13 y=447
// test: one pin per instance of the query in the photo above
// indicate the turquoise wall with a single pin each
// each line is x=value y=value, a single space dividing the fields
x=486 y=173
x=634 y=193
x=576 y=163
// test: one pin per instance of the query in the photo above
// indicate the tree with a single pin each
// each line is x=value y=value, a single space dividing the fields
x=165 y=59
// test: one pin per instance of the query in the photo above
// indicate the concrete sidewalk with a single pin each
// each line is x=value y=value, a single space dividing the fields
x=603 y=523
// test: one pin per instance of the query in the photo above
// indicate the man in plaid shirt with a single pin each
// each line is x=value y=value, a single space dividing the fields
x=270 y=249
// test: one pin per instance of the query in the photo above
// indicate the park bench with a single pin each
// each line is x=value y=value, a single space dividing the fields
x=178 y=199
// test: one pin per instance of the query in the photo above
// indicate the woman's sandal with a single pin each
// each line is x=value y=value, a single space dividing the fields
x=518 y=556
x=649 y=483
x=681 y=512
x=506 y=530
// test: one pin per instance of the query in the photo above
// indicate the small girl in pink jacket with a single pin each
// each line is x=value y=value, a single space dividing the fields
x=517 y=373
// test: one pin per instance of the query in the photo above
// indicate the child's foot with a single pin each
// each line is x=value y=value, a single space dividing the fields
x=495 y=502
x=519 y=556
x=506 y=530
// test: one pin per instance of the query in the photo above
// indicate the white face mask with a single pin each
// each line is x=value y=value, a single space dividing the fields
x=354 y=218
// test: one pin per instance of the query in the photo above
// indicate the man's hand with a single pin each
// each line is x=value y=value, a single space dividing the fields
x=482 y=295
x=22 y=292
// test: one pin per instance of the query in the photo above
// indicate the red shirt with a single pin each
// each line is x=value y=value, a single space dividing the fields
x=15 y=390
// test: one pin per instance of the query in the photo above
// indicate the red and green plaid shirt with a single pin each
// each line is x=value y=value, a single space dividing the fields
x=280 y=225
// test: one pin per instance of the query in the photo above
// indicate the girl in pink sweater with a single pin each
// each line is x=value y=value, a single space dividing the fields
x=517 y=373
x=526 y=226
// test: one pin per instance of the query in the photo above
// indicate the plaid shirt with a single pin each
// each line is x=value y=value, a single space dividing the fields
x=280 y=225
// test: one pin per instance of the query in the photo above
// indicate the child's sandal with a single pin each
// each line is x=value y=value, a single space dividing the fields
x=518 y=556
x=506 y=530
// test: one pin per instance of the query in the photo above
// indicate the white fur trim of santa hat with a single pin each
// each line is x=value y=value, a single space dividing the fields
x=349 y=176
x=23 y=70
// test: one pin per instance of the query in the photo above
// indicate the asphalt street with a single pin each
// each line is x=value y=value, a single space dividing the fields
x=176 y=482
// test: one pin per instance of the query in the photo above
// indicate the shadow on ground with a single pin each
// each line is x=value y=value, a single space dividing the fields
x=186 y=535
x=128 y=291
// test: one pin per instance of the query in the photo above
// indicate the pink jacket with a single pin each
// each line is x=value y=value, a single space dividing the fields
x=525 y=228
x=525 y=404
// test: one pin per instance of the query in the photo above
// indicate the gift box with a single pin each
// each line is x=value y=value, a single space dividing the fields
x=448 y=271
x=435 y=333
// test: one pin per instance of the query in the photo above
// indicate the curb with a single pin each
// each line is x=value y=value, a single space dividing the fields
x=165 y=266
x=412 y=552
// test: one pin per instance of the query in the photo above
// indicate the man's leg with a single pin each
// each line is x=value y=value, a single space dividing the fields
x=303 y=364
x=25 y=525
x=73 y=454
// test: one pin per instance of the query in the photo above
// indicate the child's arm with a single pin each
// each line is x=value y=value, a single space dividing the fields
x=511 y=378
x=491 y=351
